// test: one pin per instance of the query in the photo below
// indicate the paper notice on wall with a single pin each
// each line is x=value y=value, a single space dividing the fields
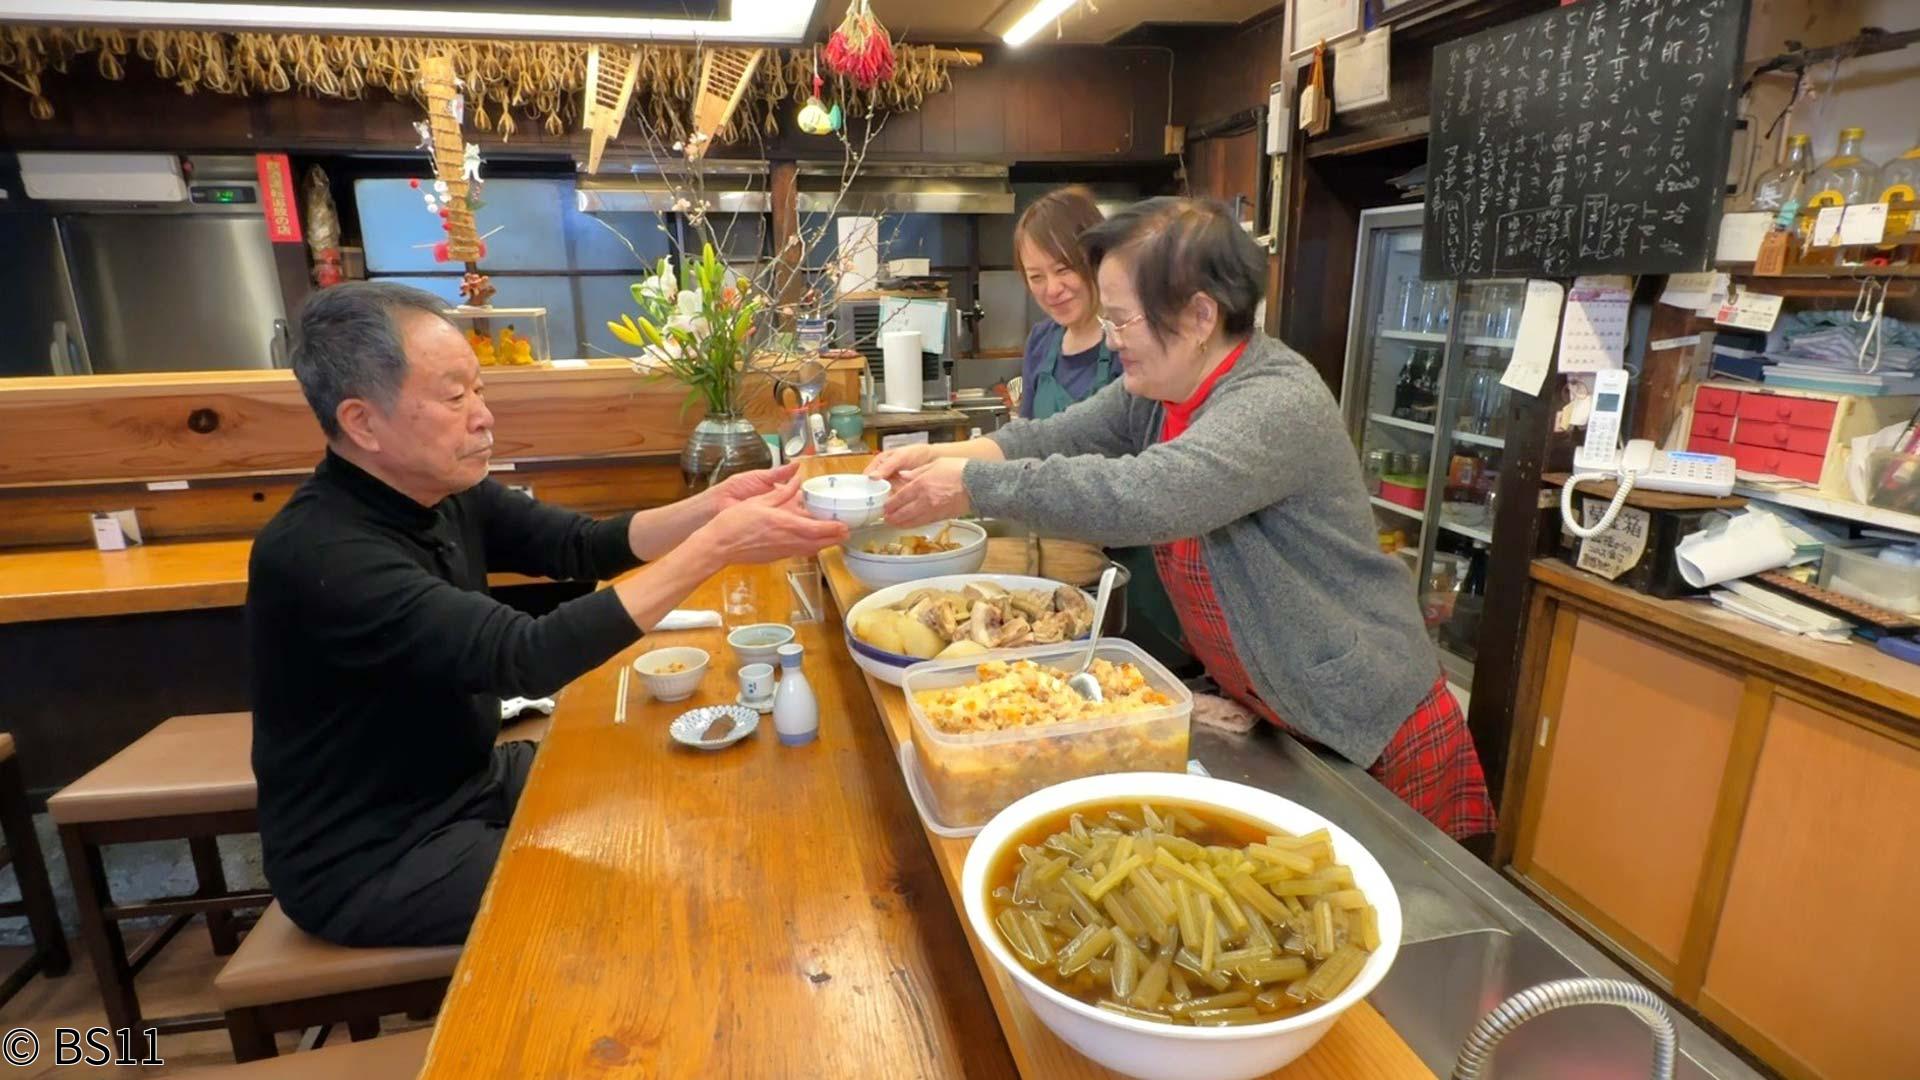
x=1360 y=71
x=1693 y=291
x=1864 y=223
x=1749 y=310
x=1615 y=551
x=1532 y=356
x=1826 y=226
x=1593 y=336
x=1740 y=237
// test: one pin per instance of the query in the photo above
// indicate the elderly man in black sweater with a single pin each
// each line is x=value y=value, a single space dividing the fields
x=379 y=660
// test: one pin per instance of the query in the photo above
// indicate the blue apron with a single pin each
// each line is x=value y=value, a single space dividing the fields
x=1049 y=396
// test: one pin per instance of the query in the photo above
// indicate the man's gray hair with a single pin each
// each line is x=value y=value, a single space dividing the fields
x=348 y=345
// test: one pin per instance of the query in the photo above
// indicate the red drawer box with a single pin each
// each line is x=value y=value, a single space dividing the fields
x=1711 y=426
x=1701 y=444
x=1757 y=459
x=1711 y=399
x=1780 y=409
x=1800 y=440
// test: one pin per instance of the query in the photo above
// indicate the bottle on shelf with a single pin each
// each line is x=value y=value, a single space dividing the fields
x=1775 y=186
x=1842 y=180
x=1900 y=190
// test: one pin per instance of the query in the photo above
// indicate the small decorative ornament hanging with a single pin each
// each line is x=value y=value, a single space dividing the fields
x=860 y=49
x=814 y=117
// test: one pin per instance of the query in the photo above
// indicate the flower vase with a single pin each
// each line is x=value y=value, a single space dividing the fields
x=720 y=446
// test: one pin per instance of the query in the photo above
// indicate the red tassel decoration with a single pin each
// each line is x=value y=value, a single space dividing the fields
x=860 y=49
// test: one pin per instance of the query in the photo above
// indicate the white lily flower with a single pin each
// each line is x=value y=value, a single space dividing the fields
x=689 y=302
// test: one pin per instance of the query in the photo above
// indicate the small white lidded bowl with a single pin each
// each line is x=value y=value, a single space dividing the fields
x=1145 y=1048
x=672 y=674
x=846 y=497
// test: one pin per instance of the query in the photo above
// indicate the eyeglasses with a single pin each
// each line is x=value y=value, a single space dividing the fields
x=1112 y=329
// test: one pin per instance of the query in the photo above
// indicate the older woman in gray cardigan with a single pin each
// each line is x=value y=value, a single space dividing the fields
x=1223 y=450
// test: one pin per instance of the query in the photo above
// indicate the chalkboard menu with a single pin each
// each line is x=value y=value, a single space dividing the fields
x=1590 y=139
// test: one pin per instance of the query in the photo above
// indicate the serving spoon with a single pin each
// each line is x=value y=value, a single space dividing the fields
x=1083 y=682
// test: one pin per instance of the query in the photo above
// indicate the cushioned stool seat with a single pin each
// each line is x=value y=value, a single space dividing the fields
x=389 y=1057
x=187 y=765
x=20 y=848
x=190 y=778
x=283 y=978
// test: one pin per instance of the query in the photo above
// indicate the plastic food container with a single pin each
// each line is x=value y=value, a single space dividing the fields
x=970 y=778
x=1861 y=574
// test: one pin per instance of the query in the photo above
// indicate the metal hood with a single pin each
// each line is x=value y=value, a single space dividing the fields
x=906 y=189
x=728 y=187
x=742 y=187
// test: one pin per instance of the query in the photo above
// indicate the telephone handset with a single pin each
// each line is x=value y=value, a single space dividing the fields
x=1639 y=464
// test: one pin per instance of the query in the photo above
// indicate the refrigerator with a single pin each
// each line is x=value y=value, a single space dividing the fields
x=107 y=282
x=1428 y=416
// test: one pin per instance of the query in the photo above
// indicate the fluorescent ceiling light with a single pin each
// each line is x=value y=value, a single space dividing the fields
x=1043 y=12
x=782 y=22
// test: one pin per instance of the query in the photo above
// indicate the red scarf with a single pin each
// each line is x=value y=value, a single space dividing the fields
x=1179 y=414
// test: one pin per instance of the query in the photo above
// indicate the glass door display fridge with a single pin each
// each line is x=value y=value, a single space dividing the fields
x=1427 y=414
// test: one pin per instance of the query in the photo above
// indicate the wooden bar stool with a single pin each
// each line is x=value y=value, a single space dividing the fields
x=389 y=1057
x=190 y=778
x=21 y=850
x=284 y=979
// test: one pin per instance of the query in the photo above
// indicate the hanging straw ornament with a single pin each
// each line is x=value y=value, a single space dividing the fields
x=861 y=50
x=814 y=118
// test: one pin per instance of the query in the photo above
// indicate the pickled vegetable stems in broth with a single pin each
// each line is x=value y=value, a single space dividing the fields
x=1181 y=914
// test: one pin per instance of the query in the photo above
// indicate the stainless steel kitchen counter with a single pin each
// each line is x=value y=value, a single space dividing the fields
x=1471 y=937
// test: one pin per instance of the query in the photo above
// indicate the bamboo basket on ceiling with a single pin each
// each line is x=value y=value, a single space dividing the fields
x=724 y=77
x=609 y=90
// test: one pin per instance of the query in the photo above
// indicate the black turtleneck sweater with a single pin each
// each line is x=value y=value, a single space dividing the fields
x=379 y=662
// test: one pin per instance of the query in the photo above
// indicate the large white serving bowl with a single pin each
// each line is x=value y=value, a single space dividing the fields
x=891 y=667
x=1142 y=1048
x=880 y=571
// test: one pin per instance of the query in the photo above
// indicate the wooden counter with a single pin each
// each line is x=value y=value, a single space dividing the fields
x=763 y=910
x=81 y=583
x=1677 y=777
x=95 y=429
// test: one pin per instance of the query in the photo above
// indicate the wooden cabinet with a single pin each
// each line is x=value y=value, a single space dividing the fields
x=1732 y=812
x=1629 y=756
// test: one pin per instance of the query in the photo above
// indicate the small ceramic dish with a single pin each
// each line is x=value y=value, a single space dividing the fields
x=764 y=708
x=672 y=674
x=688 y=727
x=759 y=643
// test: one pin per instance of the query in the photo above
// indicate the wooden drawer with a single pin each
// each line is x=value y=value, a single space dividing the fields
x=1712 y=426
x=1803 y=467
x=1778 y=409
x=1712 y=399
x=1701 y=444
x=1800 y=440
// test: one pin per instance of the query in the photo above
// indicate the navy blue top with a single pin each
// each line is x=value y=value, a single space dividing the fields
x=1075 y=371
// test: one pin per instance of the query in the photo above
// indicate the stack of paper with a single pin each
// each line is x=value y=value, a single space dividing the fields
x=1781 y=613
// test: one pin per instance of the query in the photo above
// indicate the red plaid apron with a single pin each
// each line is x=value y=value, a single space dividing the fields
x=1429 y=763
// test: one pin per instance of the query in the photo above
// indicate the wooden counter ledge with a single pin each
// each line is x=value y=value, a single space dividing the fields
x=762 y=910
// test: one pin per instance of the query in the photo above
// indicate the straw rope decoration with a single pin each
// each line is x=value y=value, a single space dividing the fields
x=540 y=82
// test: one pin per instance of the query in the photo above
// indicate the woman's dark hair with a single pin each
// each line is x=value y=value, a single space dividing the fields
x=1180 y=247
x=1054 y=224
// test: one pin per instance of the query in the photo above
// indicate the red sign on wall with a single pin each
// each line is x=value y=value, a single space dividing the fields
x=276 y=198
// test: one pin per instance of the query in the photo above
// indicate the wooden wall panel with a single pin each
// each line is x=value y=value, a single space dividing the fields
x=48 y=517
x=105 y=428
x=1828 y=848
x=1637 y=745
